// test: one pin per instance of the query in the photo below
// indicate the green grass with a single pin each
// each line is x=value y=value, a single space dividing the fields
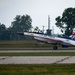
x=31 y=46
x=28 y=44
x=23 y=45
x=41 y=69
x=39 y=54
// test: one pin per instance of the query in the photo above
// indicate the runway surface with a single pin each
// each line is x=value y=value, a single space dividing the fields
x=37 y=60
x=17 y=51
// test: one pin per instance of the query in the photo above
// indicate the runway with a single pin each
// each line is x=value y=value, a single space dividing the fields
x=37 y=60
x=18 y=51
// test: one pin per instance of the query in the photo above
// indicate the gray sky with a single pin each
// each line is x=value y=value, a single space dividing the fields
x=37 y=9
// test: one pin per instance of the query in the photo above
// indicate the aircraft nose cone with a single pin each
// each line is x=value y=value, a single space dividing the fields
x=20 y=33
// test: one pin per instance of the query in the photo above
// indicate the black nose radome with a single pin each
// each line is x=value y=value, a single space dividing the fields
x=20 y=33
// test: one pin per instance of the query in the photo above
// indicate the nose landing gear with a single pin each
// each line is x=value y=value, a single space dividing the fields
x=55 y=47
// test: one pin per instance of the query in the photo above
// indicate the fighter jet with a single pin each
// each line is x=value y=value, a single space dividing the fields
x=64 y=41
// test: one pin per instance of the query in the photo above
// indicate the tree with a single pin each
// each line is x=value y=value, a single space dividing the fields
x=2 y=27
x=37 y=30
x=3 y=35
x=66 y=22
x=48 y=31
x=20 y=24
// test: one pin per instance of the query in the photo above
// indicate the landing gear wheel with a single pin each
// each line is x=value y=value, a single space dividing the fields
x=55 y=47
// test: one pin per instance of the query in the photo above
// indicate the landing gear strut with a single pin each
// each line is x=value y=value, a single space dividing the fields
x=55 y=47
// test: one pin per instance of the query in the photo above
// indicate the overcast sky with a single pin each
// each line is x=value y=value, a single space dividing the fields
x=37 y=9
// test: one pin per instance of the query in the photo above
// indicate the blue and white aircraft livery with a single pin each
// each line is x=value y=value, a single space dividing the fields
x=64 y=41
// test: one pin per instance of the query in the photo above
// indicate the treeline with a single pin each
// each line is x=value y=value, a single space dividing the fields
x=65 y=22
x=20 y=24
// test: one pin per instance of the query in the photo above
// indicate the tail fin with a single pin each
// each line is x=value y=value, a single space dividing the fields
x=73 y=34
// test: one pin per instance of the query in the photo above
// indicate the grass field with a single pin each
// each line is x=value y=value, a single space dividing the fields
x=22 y=44
x=39 y=54
x=28 y=44
x=41 y=69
